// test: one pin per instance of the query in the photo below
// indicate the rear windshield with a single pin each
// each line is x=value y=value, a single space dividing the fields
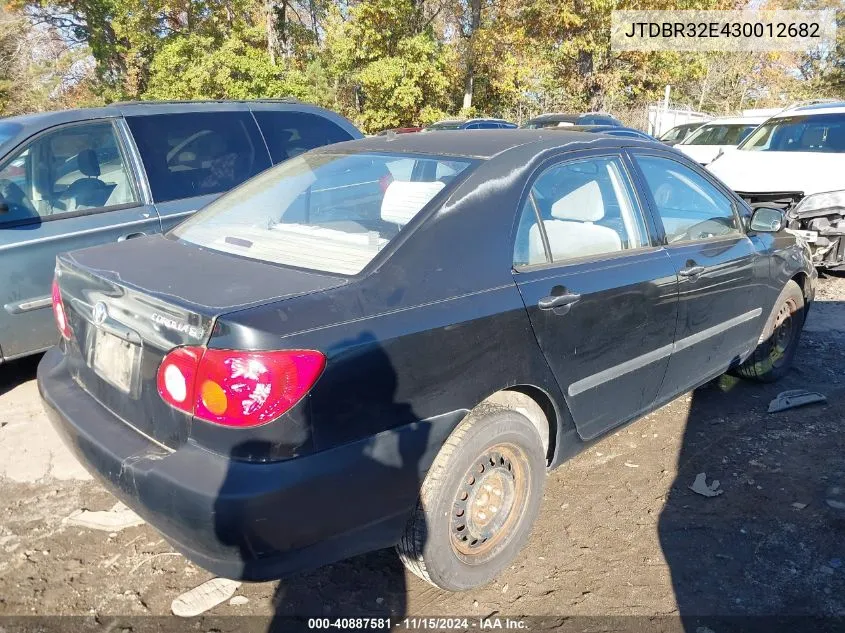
x=322 y=211
x=730 y=134
x=823 y=133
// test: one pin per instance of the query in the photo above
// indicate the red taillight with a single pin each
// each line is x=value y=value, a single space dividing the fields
x=59 y=311
x=236 y=388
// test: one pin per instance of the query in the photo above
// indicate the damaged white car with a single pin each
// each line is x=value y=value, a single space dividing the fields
x=796 y=161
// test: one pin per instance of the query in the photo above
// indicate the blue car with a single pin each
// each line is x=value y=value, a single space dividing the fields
x=73 y=179
x=471 y=124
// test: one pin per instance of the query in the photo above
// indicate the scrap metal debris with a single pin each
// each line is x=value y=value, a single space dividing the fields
x=118 y=518
x=795 y=398
x=204 y=597
x=700 y=486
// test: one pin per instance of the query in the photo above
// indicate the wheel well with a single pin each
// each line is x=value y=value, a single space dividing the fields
x=535 y=405
x=801 y=279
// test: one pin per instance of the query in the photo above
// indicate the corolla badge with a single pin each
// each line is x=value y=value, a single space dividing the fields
x=179 y=326
x=100 y=313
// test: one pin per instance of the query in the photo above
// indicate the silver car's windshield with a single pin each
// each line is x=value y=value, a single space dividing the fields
x=823 y=133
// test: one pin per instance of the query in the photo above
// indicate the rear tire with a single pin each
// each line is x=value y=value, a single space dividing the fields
x=773 y=356
x=478 y=501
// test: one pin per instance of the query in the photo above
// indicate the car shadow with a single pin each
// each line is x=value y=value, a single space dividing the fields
x=764 y=545
x=386 y=473
x=16 y=372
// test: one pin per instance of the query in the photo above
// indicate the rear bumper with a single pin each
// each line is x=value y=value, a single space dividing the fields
x=251 y=521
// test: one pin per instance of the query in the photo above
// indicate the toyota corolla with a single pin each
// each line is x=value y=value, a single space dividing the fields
x=390 y=341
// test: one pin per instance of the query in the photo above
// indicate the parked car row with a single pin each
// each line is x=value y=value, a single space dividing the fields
x=411 y=327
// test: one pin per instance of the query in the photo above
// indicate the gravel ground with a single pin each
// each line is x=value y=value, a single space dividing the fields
x=620 y=533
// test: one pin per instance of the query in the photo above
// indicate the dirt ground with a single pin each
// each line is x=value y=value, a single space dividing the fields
x=620 y=533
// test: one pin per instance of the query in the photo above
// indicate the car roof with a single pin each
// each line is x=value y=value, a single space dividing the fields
x=837 y=107
x=463 y=121
x=481 y=143
x=737 y=120
x=130 y=108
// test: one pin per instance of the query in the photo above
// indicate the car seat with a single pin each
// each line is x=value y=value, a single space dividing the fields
x=90 y=191
x=572 y=231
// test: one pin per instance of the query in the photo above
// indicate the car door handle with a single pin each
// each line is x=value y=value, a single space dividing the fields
x=557 y=301
x=691 y=271
x=130 y=236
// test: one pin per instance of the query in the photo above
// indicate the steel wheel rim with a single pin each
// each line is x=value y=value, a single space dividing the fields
x=783 y=334
x=489 y=502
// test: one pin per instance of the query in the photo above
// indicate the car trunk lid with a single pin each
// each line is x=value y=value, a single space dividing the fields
x=128 y=305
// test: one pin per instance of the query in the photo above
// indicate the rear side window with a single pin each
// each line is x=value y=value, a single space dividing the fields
x=198 y=153
x=689 y=206
x=289 y=134
x=587 y=208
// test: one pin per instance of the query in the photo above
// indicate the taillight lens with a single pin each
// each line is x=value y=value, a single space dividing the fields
x=236 y=388
x=59 y=311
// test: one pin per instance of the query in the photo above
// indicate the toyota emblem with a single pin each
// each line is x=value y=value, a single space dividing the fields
x=101 y=313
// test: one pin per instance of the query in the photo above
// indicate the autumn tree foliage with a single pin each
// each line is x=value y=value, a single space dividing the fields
x=384 y=63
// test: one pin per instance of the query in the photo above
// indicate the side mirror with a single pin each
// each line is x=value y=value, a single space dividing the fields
x=4 y=206
x=767 y=220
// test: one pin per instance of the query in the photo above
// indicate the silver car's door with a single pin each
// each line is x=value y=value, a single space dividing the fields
x=68 y=187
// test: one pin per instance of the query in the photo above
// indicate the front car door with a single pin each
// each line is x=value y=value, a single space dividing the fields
x=720 y=312
x=601 y=296
x=69 y=187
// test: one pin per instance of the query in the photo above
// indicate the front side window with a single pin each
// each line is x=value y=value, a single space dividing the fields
x=290 y=134
x=719 y=135
x=586 y=207
x=824 y=133
x=322 y=211
x=76 y=168
x=198 y=153
x=690 y=207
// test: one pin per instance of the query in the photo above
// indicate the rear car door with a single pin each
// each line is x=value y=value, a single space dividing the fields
x=601 y=296
x=69 y=187
x=190 y=158
x=719 y=308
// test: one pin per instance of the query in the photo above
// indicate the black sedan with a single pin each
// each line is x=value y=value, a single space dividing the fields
x=306 y=371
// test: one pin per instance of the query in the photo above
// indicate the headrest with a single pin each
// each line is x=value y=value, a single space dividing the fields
x=404 y=199
x=584 y=204
x=88 y=163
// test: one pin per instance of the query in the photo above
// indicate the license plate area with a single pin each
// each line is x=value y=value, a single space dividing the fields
x=115 y=360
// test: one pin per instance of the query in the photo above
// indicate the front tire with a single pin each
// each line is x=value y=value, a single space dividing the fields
x=773 y=356
x=478 y=501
